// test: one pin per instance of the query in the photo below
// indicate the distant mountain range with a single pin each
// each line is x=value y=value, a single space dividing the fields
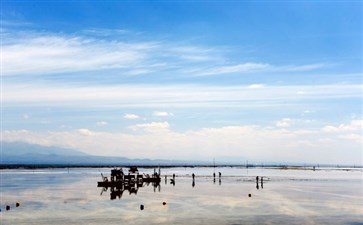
x=21 y=153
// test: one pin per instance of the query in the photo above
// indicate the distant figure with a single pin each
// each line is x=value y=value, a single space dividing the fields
x=257 y=187
x=256 y=179
x=214 y=175
x=193 y=183
x=261 y=180
x=220 y=175
x=166 y=179
x=172 y=181
x=193 y=176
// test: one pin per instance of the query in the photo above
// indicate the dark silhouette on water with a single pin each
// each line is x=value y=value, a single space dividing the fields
x=193 y=176
x=172 y=181
x=257 y=186
x=119 y=182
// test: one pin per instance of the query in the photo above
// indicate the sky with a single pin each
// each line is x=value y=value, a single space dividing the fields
x=264 y=81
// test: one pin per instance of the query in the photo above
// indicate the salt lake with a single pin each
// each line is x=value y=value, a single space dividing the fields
x=286 y=196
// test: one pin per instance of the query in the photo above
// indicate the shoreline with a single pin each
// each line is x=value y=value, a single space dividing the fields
x=277 y=167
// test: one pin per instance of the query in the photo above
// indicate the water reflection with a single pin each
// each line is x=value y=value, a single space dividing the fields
x=119 y=182
x=292 y=199
x=131 y=182
x=257 y=183
x=132 y=188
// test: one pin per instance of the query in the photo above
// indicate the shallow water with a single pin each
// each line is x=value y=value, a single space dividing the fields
x=62 y=196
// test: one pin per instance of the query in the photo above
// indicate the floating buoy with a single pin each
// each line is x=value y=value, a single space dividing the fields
x=250 y=195
x=17 y=204
x=164 y=203
x=141 y=207
x=7 y=207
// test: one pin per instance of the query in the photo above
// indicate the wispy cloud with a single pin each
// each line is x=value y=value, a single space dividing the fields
x=172 y=95
x=44 y=53
x=354 y=125
x=253 y=86
x=151 y=127
x=253 y=67
x=49 y=54
x=240 y=68
x=286 y=122
x=159 y=113
x=102 y=123
x=131 y=116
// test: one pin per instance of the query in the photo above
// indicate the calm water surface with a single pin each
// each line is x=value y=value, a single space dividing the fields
x=62 y=196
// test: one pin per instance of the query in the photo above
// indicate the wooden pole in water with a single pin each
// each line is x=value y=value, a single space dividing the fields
x=214 y=165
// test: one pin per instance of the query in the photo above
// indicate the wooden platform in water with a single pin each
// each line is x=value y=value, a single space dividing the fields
x=127 y=182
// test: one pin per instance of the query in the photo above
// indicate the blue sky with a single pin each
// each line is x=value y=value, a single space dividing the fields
x=273 y=81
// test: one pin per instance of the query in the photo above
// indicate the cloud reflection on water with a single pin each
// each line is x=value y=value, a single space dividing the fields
x=284 y=201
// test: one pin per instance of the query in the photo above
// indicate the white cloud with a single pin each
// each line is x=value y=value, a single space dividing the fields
x=49 y=53
x=26 y=116
x=159 y=113
x=173 y=95
x=102 y=123
x=138 y=71
x=249 y=67
x=356 y=137
x=85 y=132
x=253 y=86
x=240 y=68
x=44 y=53
x=308 y=111
x=131 y=116
x=152 y=127
x=286 y=122
x=252 y=142
x=303 y=67
x=355 y=125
